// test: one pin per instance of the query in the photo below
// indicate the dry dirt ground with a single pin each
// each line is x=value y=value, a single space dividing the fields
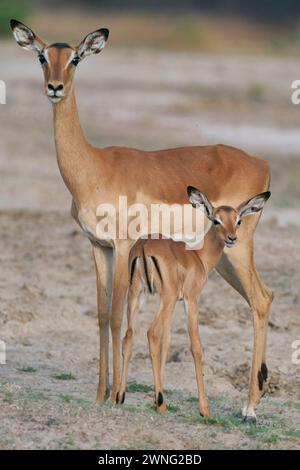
x=47 y=283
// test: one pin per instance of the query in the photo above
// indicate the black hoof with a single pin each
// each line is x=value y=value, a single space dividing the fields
x=264 y=371
x=120 y=399
x=260 y=380
x=249 y=419
x=160 y=399
x=263 y=378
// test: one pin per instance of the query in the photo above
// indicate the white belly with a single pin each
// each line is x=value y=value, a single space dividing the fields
x=88 y=224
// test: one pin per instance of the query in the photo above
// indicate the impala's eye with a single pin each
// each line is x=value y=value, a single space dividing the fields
x=42 y=59
x=239 y=222
x=217 y=222
x=75 y=61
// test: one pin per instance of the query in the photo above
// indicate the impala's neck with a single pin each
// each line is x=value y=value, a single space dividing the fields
x=212 y=250
x=74 y=154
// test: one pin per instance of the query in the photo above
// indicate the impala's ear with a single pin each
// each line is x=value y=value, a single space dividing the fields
x=25 y=37
x=93 y=43
x=200 y=201
x=253 y=205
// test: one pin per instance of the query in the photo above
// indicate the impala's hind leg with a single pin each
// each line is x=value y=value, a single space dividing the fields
x=238 y=269
x=165 y=340
x=159 y=337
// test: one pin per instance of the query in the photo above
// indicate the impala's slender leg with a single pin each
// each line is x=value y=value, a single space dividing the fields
x=132 y=310
x=155 y=338
x=165 y=340
x=270 y=295
x=238 y=269
x=104 y=266
x=193 y=327
x=120 y=287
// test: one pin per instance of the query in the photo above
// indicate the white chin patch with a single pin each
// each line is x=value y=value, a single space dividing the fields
x=229 y=245
x=55 y=99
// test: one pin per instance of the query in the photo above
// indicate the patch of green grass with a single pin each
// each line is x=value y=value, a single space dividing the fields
x=270 y=429
x=66 y=443
x=29 y=394
x=173 y=408
x=64 y=376
x=270 y=438
x=28 y=369
x=130 y=408
x=122 y=408
x=8 y=396
x=71 y=399
x=66 y=398
x=134 y=387
x=192 y=400
x=290 y=404
x=15 y=394
x=167 y=391
x=264 y=434
x=69 y=442
x=226 y=422
x=291 y=433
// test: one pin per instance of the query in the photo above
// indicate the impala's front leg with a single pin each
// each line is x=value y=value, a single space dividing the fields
x=104 y=275
x=120 y=287
x=193 y=326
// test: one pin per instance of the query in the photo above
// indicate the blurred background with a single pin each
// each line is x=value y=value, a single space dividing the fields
x=173 y=73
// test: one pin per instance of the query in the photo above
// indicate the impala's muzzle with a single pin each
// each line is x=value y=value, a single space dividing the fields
x=230 y=241
x=55 y=92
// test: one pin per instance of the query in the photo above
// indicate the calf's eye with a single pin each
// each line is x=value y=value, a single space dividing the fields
x=42 y=59
x=75 y=61
x=216 y=222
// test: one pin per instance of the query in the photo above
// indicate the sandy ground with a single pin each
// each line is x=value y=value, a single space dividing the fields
x=47 y=282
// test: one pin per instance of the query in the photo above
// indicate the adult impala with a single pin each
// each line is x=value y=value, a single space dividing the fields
x=96 y=175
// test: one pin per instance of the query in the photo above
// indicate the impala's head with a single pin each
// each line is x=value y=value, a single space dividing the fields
x=58 y=60
x=226 y=220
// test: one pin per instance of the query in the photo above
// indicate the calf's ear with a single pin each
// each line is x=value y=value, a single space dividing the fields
x=253 y=205
x=200 y=201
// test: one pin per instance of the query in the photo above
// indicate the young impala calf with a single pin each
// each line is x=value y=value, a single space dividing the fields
x=175 y=273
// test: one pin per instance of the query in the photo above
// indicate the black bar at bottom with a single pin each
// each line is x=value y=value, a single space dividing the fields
x=132 y=459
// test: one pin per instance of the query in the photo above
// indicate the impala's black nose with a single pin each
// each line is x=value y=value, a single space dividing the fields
x=55 y=88
x=232 y=238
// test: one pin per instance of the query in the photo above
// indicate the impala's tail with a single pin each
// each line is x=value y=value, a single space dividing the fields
x=149 y=271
